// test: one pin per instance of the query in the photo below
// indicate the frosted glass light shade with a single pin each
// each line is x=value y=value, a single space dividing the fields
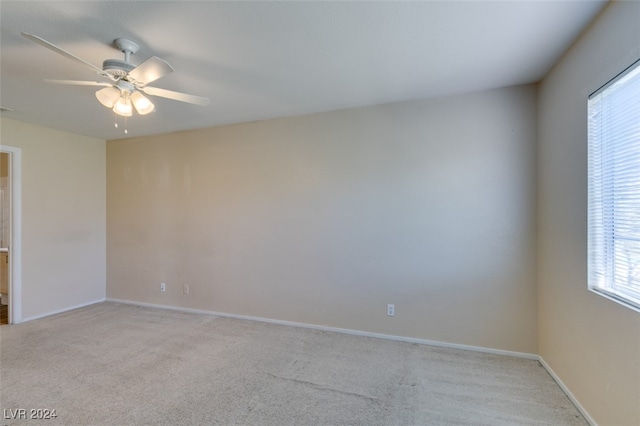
x=142 y=104
x=123 y=106
x=108 y=96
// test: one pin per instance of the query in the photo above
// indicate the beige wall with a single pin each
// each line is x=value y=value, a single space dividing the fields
x=592 y=343
x=63 y=217
x=326 y=218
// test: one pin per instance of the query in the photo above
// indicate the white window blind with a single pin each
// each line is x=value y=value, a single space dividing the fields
x=614 y=189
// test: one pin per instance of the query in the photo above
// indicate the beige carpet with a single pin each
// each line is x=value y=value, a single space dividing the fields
x=114 y=364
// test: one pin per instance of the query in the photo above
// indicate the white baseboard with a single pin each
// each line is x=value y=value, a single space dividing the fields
x=336 y=330
x=566 y=390
x=59 y=311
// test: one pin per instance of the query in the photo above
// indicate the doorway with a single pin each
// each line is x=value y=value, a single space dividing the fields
x=5 y=230
x=10 y=235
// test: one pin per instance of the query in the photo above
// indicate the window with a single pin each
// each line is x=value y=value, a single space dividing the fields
x=614 y=188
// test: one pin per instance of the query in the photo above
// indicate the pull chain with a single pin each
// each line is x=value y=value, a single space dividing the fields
x=115 y=116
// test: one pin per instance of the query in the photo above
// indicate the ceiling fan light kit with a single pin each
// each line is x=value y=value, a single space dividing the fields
x=123 y=106
x=120 y=101
x=142 y=104
x=126 y=81
x=108 y=96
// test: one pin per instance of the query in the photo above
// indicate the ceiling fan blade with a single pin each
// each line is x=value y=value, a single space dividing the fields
x=53 y=47
x=176 y=96
x=150 y=70
x=78 y=82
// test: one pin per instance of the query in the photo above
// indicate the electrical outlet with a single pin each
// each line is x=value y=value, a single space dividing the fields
x=185 y=289
x=163 y=287
x=391 y=310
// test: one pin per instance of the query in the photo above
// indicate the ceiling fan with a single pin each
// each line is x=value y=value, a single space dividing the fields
x=126 y=81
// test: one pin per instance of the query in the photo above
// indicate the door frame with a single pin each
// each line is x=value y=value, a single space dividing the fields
x=15 y=236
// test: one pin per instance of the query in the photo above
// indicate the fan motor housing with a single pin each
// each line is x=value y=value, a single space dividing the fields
x=117 y=67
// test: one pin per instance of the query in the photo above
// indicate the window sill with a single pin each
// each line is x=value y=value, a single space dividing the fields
x=616 y=298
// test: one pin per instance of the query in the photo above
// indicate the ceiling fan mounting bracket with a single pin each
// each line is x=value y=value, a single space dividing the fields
x=126 y=46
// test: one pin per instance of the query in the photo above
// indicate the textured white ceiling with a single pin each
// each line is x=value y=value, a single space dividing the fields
x=259 y=60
